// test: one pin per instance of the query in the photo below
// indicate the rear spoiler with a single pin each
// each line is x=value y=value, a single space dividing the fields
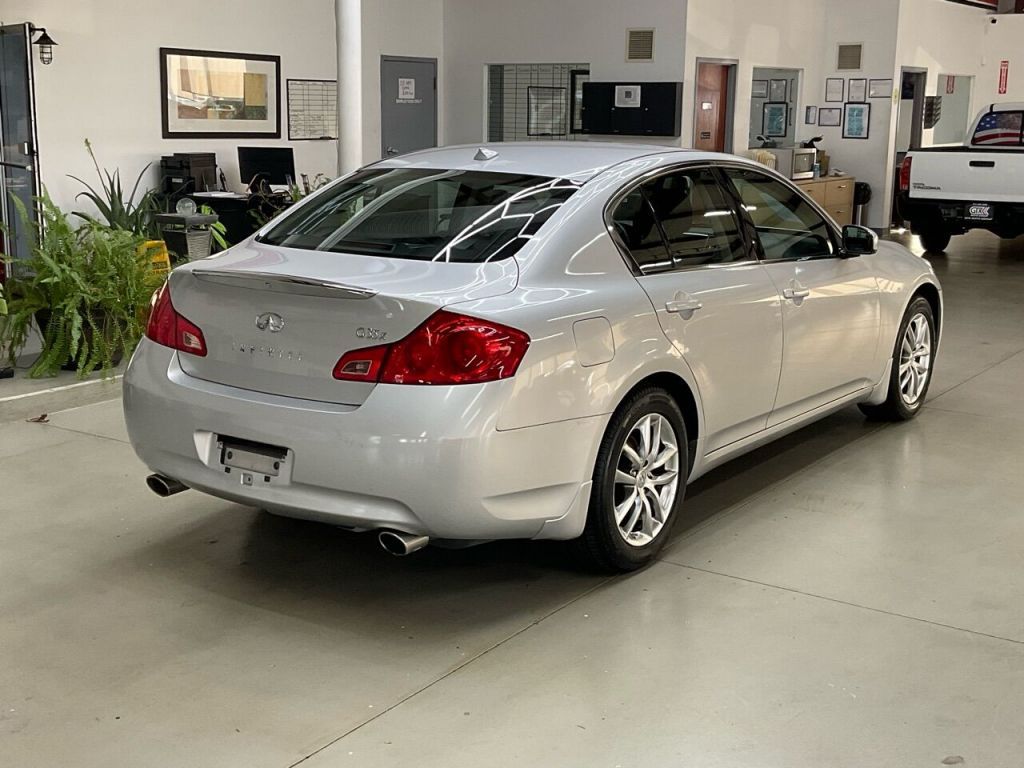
x=277 y=283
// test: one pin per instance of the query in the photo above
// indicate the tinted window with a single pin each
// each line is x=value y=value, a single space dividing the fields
x=999 y=129
x=681 y=219
x=697 y=218
x=787 y=226
x=638 y=230
x=432 y=215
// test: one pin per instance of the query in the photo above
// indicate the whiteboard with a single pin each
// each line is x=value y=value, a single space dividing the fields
x=312 y=110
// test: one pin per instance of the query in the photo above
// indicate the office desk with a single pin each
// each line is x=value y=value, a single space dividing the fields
x=240 y=213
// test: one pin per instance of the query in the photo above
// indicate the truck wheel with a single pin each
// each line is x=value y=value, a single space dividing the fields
x=935 y=239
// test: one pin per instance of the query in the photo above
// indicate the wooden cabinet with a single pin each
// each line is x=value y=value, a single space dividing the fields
x=834 y=194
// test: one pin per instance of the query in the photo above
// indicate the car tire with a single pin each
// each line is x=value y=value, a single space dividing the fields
x=628 y=523
x=935 y=239
x=913 y=356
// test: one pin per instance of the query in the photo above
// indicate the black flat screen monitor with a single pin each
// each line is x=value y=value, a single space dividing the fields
x=275 y=164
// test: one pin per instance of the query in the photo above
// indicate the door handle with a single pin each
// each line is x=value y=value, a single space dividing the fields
x=683 y=306
x=796 y=294
x=983 y=164
x=391 y=151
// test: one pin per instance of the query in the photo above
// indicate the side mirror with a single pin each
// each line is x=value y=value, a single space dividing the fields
x=859 y=241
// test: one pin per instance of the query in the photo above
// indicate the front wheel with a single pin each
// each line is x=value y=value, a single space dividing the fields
x=912 y=361
x=639 y=481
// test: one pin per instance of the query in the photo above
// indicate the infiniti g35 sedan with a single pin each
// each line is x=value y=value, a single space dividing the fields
x=538 y=341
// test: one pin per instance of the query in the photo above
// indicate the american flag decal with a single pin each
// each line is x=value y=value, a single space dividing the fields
x=999 y=129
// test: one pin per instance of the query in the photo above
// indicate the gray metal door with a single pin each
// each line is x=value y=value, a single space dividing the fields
x=408 y=104
x=18 y=159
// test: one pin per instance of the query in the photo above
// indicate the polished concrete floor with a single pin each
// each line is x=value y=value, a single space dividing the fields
x=850 y=596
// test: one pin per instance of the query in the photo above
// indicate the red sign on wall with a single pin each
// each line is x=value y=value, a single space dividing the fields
x=1004 y=76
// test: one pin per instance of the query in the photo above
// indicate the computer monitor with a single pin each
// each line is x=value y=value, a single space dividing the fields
x=275 y=164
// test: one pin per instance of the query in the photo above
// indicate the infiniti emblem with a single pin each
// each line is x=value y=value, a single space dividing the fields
x=270 y=321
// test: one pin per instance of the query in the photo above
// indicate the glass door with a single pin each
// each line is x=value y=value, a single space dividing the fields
x=19 y=179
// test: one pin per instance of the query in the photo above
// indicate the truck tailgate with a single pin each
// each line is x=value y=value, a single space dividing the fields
x=965 y=175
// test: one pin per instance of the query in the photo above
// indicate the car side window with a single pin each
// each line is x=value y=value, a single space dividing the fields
x=682 y=219
x=697 y=218
x=787 y=225
x=633 y=220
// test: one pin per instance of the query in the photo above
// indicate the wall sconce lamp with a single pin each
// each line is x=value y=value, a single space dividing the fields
x=45 y=43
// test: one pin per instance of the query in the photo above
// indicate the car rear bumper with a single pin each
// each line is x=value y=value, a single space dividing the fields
x=425 y=460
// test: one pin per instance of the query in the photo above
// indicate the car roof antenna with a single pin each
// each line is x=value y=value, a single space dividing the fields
x=485 y=154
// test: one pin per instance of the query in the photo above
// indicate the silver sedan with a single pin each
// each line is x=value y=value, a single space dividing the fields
x=542 y=341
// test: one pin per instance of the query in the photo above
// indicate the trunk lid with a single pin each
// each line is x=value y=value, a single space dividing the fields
x=276 y=320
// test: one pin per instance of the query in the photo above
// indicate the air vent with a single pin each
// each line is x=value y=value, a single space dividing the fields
x=640 y=45
x=850 y=55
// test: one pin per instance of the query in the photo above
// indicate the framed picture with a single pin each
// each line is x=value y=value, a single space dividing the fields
x=777 y=90
x=858 y=90
x=548 y=111
x=759 y=89
x=835 y=89
x=830 y=117
x=219 y=95
x=776 y=119
x=856 y=121
x=880 y=89
x=811 y=116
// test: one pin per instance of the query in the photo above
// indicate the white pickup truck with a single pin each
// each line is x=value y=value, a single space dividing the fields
x=946 y=191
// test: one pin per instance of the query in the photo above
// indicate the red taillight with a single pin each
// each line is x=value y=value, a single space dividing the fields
x=905 y=174
x=172 y=330
x=447 y=349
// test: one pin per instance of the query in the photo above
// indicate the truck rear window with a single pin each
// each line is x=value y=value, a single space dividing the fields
x=999 y=129
x=429 y=215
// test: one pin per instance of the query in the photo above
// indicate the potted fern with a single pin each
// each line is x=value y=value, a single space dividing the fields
x=85 y=288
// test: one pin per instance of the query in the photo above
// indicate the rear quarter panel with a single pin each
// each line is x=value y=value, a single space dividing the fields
x=570 y=273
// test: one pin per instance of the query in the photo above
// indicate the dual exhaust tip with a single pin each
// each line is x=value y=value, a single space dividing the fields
x=393 y=542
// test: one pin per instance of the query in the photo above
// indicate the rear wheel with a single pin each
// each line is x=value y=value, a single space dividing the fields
x=935 y=238
x=639 y=482
x=912 y=360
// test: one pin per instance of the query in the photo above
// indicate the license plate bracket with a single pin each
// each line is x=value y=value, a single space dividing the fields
x=249 y=456
x=979 y=212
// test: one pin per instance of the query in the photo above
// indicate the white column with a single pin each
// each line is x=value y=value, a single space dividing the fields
x=350 y=84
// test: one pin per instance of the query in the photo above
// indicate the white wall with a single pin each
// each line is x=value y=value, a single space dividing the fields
x=399 y=28
x=1003 y=40
x=874 y=24
x=482 y=32
x=104 y=82
x=770 y=33
x=957 y=109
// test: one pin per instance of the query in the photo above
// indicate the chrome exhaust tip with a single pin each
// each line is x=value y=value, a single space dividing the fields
x=164 y=486
x=401 y=544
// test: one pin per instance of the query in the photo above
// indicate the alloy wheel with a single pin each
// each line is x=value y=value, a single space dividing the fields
x=915 y=359
x=646 y=480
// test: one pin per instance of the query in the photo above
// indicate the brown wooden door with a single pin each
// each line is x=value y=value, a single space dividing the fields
x=712 y=106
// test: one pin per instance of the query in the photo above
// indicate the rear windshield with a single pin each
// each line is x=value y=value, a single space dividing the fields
x=999 y=129
x=429 y=215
